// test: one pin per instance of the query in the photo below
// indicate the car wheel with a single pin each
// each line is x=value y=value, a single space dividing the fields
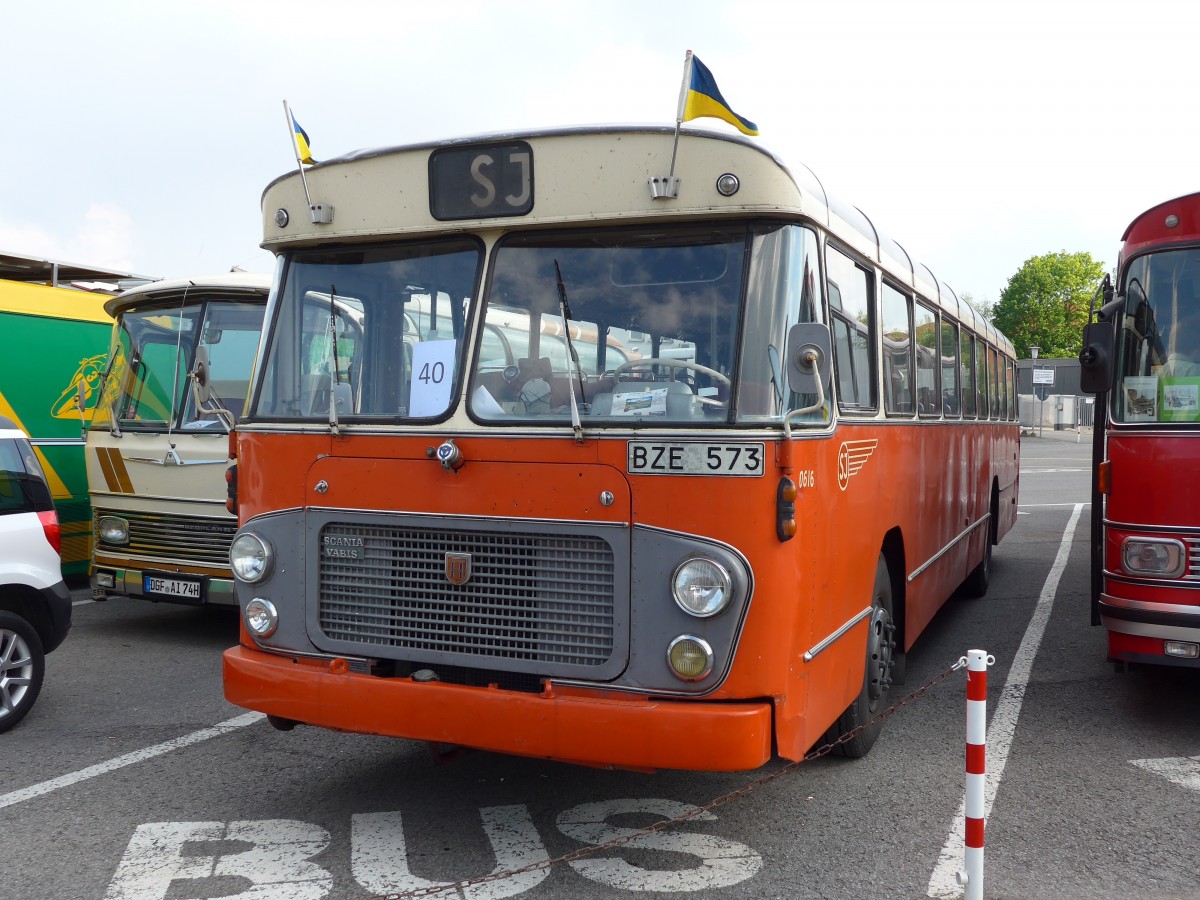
x=22 y=667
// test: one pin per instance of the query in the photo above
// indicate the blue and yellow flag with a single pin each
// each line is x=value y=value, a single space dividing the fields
x=703 y=98
x=302 y=150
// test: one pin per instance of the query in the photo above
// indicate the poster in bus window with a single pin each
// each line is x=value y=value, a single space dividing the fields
x=1180 y=400
x=1141 y=399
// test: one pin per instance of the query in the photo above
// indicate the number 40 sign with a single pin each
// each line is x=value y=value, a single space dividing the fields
x=432 y=374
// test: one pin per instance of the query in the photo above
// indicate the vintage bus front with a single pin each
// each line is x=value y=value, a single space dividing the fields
x=158 y=446
x=1146 y=587
x=516 y=473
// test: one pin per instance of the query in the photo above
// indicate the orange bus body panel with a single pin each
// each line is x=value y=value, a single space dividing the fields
x=837 y=529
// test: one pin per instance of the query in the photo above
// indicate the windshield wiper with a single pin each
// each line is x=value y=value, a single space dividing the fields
x=574 y=357
x=333 y=372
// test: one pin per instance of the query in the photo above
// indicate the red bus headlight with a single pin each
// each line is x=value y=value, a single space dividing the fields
x=1157 y=557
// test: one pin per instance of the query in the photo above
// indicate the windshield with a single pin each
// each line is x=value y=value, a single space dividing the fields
x=369 y=332
x=147 y=385
x=631 y=325
x=1158 y=345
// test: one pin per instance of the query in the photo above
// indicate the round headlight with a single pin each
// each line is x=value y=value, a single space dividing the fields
x=250 y=557
x=113 y=530
x=701 y=587
x=261 y=617
x=690 y=658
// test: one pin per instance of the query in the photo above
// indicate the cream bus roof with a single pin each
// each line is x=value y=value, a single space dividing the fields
x=251 y=284
x=596 y=174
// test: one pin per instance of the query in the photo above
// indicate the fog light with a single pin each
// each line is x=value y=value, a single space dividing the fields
x=690 y=658
x=261 y=617
x=105 y=579
x=112 y=530
x=1181 y=649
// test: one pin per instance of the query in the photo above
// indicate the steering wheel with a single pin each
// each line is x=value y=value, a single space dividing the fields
x=678 y=364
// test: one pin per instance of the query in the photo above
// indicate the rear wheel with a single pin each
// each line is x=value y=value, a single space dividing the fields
x=22 y=667
x=976 y=584
x=877 y=679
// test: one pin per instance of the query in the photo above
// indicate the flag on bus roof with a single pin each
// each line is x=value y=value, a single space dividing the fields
x=701 y=98
x=303 y=153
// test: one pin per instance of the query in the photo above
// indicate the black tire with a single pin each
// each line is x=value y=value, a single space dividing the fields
x=22 y=668
x=977 y=582
x=877 y=678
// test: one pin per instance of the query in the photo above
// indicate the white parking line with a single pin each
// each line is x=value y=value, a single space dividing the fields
x=1003 y=725
x=128 y=759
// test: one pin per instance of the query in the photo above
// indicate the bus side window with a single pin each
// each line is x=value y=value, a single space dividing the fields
x=950 y=370
x=897 y=353
x=967 y=368
x=850 y=300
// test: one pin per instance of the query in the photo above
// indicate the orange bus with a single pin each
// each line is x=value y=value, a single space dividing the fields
x=1142 y=357
x=545 y=458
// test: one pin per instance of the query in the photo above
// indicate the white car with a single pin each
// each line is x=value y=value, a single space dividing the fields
x=35 y=604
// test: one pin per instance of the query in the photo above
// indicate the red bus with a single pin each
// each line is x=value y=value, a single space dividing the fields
x=1141 y=356
x=545 y=459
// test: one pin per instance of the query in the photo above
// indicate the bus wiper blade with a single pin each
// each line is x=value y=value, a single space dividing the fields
x=574 y=357
x=333 y=372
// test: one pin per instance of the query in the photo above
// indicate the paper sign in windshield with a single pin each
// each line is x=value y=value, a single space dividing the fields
x=432 y=377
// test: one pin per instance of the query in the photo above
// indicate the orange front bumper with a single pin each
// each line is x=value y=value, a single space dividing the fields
x=618 y=730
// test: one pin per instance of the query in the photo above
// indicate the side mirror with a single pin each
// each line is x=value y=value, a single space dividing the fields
x=200 y=380
x=1096 y=357
x=807 y=354
x=202 y=390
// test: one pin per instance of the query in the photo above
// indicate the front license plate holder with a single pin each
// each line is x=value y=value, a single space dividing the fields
x=179 y=590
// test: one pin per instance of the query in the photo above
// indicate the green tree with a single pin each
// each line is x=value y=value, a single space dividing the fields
x=1046 y=303
x=985 y=308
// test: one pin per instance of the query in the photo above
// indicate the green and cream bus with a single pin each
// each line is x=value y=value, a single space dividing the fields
x=158 y=446
x=56 y=332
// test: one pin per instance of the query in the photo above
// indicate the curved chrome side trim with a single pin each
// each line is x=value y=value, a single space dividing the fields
x=1177 y=609
x=950 y=546
x=825 y=644
x=1145 y=629
x=1182 y=583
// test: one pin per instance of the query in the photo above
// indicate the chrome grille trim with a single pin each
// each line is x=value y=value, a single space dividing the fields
x=541 y=598
x=189 y=540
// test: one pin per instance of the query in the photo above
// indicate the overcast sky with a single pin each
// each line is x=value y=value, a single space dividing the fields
x=140 y=133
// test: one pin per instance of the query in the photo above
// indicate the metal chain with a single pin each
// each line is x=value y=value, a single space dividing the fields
x=582 y=852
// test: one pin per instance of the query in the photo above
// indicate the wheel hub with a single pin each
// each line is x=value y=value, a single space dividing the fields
x=881 y=645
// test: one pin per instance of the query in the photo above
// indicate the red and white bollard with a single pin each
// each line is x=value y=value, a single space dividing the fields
x=975 y=809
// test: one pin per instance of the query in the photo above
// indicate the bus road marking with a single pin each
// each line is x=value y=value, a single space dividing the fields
x=1003 y=725
x=205 y=857
x=36 y=790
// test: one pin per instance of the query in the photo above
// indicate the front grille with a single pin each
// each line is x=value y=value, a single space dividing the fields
x=1193 y=563
x=534 y=602
x=188 y=540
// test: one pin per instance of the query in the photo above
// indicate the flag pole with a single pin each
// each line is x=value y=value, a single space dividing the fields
x=291 y=123
x=683 y=92
x=666 y=187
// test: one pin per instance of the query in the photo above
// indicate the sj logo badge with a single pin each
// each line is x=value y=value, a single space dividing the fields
x=458 y=568
x=851 y=457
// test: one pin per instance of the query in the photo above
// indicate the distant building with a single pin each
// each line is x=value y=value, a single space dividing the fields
x=1053 y=399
